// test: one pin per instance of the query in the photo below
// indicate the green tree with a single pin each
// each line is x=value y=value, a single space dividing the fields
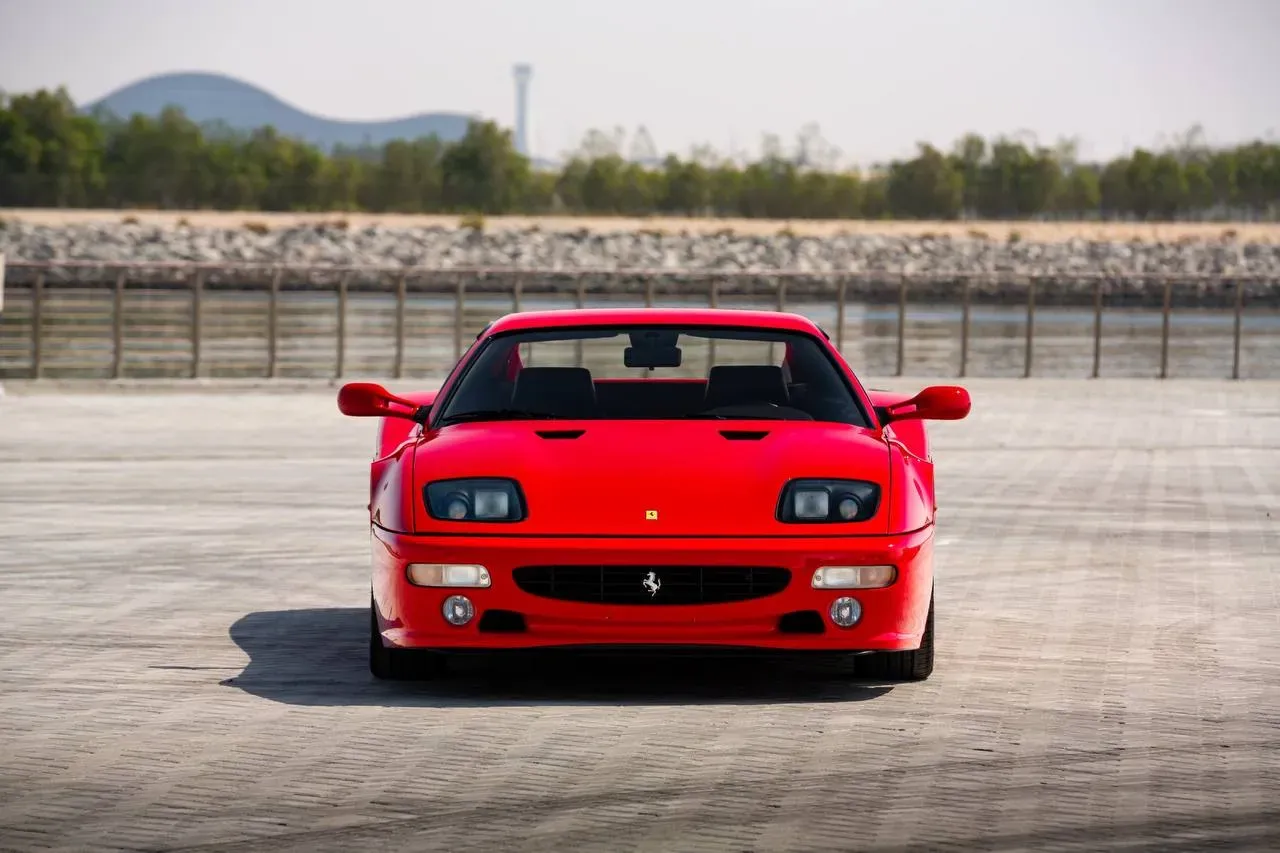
x=20 y=154
x=568 y=185
x=408 y=177
x=1258 y=175
x=483 y=172
x=603 y=185
x=725 y=188
x=1170 y=189
x=928 y=187
x=1079 y=193
x=1114 y=188
x=969 y=157
x=53 y=155
x=686 y=187
x=1199 y=187
x=1222 y=170
x=1016 y=182
x=1156 y=184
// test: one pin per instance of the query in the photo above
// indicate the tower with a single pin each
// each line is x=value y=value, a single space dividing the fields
x=522 y=74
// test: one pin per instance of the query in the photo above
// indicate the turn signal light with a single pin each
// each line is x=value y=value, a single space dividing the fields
x=854 y=577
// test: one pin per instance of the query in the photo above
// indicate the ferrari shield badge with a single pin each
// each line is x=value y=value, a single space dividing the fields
x=650 y=515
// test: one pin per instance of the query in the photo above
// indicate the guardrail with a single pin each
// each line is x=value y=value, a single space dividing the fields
x=47 y=306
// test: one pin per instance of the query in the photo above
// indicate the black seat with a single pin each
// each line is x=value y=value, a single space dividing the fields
x=565 y=392
x=736 y=385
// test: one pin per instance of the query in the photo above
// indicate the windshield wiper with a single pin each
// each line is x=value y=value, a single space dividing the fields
x=495 y=415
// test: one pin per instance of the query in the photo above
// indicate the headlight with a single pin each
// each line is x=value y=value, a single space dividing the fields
x=483 y=499
x=828 y=500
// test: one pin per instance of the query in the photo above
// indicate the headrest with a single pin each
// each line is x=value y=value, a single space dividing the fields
x=733 y=385
x=566 y=392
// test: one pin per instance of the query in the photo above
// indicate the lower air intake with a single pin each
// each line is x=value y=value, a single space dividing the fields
x=801 y=622
x=651 y=585
x=501 y=622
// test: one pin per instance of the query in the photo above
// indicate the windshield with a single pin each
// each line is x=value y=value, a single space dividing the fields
x=649 y=372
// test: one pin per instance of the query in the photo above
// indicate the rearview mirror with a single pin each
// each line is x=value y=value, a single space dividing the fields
x=651 y=356
x=370 y=400
x=935 y=403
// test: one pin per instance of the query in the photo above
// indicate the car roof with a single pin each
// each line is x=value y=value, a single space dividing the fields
x=569 y=317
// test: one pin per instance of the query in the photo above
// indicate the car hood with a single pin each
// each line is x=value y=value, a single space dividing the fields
x=610 y=478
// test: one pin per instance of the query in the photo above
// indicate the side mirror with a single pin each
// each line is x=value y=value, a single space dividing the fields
x=370 y=400
x=935 y=403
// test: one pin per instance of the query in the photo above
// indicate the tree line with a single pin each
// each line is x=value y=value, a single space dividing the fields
x=51 y=155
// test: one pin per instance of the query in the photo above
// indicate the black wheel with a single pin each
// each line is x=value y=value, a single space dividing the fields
x=915 y=665
x=398 y=664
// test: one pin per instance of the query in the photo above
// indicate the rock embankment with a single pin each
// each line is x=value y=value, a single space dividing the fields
x=1143 y=264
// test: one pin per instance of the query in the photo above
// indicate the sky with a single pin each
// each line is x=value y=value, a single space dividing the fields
x=876 y=76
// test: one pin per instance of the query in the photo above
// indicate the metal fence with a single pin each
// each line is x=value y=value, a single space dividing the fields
x=90 y=319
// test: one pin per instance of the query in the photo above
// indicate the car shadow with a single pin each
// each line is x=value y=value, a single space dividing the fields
x=320 y=657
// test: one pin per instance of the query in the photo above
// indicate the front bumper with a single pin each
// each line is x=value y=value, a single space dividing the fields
x=893 y=618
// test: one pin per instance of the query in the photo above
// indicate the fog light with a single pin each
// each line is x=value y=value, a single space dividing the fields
x=447 y=574
x=458 y=610
x=845 y=612
x=854 y=577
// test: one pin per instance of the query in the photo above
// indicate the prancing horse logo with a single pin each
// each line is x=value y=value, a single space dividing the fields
x=652 y=584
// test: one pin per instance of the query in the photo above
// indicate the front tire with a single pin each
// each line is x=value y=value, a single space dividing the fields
x=914 y=665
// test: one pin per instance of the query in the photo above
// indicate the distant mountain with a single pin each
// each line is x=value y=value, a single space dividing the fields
x=215 y=98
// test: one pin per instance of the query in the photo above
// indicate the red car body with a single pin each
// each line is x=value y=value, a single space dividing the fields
x=634 y=499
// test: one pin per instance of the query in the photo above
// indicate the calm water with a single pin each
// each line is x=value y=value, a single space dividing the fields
x=157 y=326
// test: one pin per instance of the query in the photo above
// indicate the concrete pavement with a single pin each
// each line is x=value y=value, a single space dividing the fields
x=183 y=579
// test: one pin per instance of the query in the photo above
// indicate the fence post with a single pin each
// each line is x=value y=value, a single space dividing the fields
x=1097 y=327
x=1031 y=326
x=780 y=290
x=1 y=295
x=964 y=328
x=841 y=286
x=1164 y=329
x=1238 y=333
x=713 y=301
x=459 y=314
x=581 y=300
x=37 y=312
x=340 y=357
x=197 y=311
x=117 y=326
x=902 y=323
x=273 y=322
x=648 y=291
x=397 y=368
x=517 y=291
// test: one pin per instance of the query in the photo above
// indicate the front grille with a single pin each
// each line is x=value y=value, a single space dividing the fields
x=675 y=584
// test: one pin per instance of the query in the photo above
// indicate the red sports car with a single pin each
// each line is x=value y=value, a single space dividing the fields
x=650 y=477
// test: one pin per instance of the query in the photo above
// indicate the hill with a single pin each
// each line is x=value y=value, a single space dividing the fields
x=212 y=98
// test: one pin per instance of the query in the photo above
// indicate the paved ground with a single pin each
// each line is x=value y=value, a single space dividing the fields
x=182 y=665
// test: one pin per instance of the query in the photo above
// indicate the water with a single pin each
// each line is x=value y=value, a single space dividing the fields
x=77 y=335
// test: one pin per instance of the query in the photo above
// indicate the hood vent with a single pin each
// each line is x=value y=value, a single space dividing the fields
x=559 y=433
x=744 y=434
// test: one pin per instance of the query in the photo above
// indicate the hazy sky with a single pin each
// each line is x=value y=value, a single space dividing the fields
x=875 y=75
